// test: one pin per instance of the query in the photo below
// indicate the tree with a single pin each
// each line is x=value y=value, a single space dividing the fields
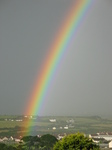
x=45 y=142
x=76 y=142
x=10 y=147
x=27 y=138
x=48 y=141
x=7 y=147
x=3 y=146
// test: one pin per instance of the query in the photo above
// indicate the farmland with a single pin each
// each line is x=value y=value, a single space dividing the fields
x=17 y=125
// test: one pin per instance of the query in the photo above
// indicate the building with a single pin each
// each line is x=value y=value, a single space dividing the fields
x=106 y=136
x=52 y=120
x=110 y=144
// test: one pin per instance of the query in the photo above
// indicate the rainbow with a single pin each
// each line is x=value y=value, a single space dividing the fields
x=62 y=41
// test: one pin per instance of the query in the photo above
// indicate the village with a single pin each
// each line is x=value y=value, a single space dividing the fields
x=103 y=139
x=59 y=127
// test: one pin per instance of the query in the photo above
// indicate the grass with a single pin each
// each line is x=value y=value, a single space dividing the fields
x=41 y=125
x=9 y=124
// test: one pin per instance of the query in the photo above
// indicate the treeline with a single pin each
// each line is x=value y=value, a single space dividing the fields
x=76 y=141
x=45 y=142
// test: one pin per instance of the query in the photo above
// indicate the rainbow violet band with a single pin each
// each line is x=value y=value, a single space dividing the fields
x=65 y=36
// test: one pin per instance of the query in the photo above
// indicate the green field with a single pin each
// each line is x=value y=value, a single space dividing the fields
x=10 y=126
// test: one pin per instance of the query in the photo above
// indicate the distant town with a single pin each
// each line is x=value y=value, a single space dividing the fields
x=96 y=128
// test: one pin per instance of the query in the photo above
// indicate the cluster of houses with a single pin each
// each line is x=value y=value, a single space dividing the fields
x=21 y=119
x=104 y=139
x=10 y=140
x=66 y=127
x=13 y=120
x=70 y=122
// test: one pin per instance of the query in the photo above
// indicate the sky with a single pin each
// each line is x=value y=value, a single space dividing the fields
x=83 y=82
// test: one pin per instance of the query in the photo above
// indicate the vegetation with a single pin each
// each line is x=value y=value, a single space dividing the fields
x=76 y=142
x=45 y=142
x=7 y=147
x=9 y=126
x=48 y=142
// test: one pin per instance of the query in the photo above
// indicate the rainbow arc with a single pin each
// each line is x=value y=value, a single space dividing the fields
x=60 y=45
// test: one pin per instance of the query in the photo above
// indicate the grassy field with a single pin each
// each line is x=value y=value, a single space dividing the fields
x=9 y=126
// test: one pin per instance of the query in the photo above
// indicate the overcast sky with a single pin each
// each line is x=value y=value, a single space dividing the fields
x=83 y=83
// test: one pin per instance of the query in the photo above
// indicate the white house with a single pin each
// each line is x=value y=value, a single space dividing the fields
x=52 y=120
x=60 y=137
x=1 y=140
x=110 y=144
x=11 y=138
x=17 y=140
x=100 y=136
x=19 y=120
x=5 y=139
